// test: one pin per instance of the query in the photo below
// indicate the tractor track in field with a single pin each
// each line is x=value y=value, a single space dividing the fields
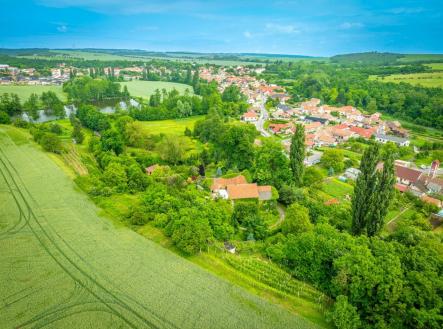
x=115 y=295
x=89 y=279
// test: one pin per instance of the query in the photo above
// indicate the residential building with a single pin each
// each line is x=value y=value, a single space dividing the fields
x=390 y=138
x=249 y=116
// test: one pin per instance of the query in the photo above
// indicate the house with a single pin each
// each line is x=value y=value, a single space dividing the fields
x=362 y=132
x=238 y=188
x=324 y=138
x=264 y=192
x=430 y=184
x=317 y=119
x=390 y=138
x=341 y=134
x=283 y=107
x=221 y=183
x=407 y=176
x=312 y=127
x=278 y=128
x=352 y=173
x=250 y=116
x=149 y=170
x=242 y=191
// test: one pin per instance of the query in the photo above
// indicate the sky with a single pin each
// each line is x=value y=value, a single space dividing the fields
x=314 y=27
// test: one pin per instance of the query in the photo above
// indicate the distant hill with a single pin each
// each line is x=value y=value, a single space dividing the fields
x=367 y=58
x=377 y=58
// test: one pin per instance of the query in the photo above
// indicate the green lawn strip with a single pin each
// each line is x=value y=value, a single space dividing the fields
x=172 y=127
x=147 y=88
x=337 y=189
x=24 y=91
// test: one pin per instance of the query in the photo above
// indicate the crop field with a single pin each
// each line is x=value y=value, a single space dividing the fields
x=25 y=91
x=170 y=127
x=147 y=88
x=64 y=266
x=429 y=79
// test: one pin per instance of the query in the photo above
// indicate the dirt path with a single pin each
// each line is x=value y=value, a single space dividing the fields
x=391 y=222
x=281 y=213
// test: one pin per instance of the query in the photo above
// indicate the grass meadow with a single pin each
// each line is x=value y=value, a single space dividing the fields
x=147 y=88
x=24 y=91
x=428 y=79
x=170 y=127
x=63 y=264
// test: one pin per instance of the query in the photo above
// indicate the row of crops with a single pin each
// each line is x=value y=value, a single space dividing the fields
x=273 y=276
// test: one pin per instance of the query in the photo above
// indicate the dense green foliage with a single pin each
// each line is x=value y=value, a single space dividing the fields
x=373 y=192
x=90 y=90
x=297 y=154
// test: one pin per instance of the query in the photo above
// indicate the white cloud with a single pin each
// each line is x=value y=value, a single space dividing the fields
x=62 y=28
x=283 y=29
x=247 y=34
x=350 y=25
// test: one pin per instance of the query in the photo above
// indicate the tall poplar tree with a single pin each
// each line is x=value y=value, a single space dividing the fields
x=297 y=154
x=373 y=192
x=383 y=197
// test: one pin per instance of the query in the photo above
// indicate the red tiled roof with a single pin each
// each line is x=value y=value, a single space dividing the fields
x=401 y=187
x=250 y=114
x=265 y=188
x=406 y=173
x=242 y=191
x=341 y=126
x=365 y=133
x=222 y=183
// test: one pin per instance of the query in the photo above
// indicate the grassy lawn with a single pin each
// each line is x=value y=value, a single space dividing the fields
x=429 y=79
x=170 y=127
x=147 y=88
x=435 y=66
x=337 y=189
x=25 y=91
x=63 y=263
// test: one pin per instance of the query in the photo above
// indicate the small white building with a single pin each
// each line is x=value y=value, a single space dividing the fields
x=249 y=116
x=390 y=138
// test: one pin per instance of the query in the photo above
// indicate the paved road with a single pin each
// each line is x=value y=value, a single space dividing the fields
x=261 y=121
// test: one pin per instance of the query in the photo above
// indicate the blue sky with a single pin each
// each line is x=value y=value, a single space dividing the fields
x=315 y=27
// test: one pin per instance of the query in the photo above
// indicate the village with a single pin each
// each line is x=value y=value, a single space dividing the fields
x=325 y=126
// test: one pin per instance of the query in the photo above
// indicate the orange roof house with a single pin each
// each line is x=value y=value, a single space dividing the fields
x=243 y=191
x=222 y=183
x=362 y=132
